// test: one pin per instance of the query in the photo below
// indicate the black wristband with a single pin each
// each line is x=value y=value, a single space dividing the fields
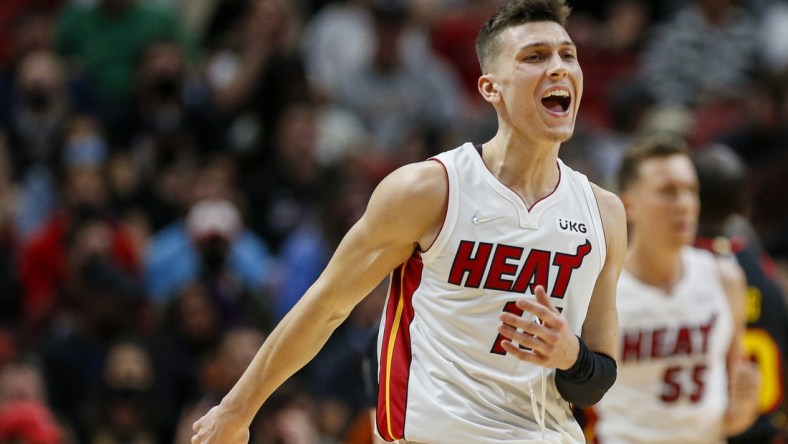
x=588 y=379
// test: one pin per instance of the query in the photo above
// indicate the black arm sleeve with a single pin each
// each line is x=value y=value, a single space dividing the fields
x=588 y=379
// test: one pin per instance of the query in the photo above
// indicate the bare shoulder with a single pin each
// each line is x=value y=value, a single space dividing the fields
x=415 y=185
x=732 y=276
x=417 y=180
x=734 y=283
x=614 y=218
x=730 y=271
x=411 y=200
x=609 y=204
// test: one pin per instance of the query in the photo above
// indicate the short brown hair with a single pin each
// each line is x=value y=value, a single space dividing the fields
x=645 y=148
x=516 y=13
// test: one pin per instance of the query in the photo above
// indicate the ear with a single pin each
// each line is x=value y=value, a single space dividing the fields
x=488 y=88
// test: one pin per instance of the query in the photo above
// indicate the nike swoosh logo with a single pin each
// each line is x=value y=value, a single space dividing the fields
x=481 y=220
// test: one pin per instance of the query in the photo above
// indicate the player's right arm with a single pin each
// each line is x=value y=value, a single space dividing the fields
x=405 y=212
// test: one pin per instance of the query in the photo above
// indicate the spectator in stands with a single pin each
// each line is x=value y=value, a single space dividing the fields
x=45 y=264
x=761 y=142
x=189 y=328
x=253 y=68
x=105 y=38
x=287 y=181
x=210 y=239
x=25 y=414
x=39 y=109
x=97 y=303
x=170 y=113
x=391 y=94
x=126 y=408
x=339 y=39
x=80 y=143
x=219 y=369
x=309 y=245
x=25 y=27
x=706 y=52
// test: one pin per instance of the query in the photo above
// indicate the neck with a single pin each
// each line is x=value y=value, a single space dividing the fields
x=529 y=169
x=652 y=265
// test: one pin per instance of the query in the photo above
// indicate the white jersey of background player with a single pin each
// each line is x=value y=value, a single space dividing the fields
x=672 y=377
x=680 y=316
x=443 y=374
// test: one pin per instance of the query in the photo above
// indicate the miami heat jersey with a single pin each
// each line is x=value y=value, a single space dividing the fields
x=444 y=378
x=672 y=379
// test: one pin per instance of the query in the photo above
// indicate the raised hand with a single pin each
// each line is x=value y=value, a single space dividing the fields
x=549 y=341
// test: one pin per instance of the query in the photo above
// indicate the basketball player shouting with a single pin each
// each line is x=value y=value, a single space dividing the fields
x=503 y=264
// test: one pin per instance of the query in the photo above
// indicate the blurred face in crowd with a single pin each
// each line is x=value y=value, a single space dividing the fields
x=297 y=135
x=91 y=244
x=20 y=382
x=236 y=351
x=199 y=322
x=85 y=188
x=40 y=80
x=663 y=204
x=129 y=366
x=162 y=72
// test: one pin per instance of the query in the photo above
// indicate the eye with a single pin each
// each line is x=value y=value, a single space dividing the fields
x=669 y=191
x=568 y=56
x=533 y=57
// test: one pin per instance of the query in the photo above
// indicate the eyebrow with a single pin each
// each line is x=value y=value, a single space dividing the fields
x=543 y=44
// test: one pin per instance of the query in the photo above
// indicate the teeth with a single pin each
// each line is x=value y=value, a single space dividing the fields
x=556 y=93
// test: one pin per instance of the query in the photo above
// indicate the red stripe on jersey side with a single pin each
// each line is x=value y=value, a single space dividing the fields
x=395 y=354
x=589 y=421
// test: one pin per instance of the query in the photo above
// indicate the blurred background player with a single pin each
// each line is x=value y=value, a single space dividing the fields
x=681 y=315
x=724 y=230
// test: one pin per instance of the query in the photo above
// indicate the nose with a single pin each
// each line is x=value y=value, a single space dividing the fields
x=556 y=69
x=687 y=201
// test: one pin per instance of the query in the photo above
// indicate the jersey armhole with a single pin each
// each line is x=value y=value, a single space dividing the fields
x=449 y=212
x=596 y=218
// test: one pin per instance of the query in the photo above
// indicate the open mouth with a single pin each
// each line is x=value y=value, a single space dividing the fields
x=557 y=101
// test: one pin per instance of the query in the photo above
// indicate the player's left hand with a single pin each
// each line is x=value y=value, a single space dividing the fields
x=550 y=343
x=744 y=383
x=744 y=387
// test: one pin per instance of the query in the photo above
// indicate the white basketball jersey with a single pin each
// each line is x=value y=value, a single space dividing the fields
x=444 y=377
x=672 y=377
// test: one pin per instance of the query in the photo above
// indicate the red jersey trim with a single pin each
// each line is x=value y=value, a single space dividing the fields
x=445 y=206
x=395 y=354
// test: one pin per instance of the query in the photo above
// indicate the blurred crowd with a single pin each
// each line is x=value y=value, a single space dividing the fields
x=174 y=174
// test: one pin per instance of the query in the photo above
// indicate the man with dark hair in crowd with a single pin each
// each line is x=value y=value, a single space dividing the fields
x=722 y=176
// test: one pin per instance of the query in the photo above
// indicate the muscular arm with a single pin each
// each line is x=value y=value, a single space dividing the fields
x=404 y=212
x=594 y=371
x=743 y=376
x=600 y=330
